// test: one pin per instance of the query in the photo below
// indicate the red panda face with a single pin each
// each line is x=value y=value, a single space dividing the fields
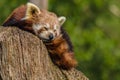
x=46 y=32
x=46 y=25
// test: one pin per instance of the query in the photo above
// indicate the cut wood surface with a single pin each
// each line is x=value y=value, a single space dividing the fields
x=23 y=56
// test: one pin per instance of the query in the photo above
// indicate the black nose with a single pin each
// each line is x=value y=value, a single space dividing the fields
x=51 y=36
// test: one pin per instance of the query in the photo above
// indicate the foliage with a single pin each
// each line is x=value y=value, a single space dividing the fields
x=93 y=26
x=7 y=7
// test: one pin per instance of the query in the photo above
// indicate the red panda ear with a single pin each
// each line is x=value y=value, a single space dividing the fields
x=61 y=20
x=31 y=11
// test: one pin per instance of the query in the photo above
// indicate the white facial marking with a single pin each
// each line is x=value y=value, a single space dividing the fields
x=47 y=25
x=36 y=27
x=55 y=27
x=51 y=31
x=43 y=35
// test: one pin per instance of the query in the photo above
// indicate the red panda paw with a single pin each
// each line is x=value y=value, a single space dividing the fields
x=67 y=61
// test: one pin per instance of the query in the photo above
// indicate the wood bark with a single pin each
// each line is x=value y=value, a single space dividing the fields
x=42 y=4
x=23 y=56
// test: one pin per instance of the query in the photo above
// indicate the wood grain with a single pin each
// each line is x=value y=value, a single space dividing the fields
x=23 y=56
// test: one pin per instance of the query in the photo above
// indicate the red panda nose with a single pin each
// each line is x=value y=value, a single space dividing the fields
x=51 y=36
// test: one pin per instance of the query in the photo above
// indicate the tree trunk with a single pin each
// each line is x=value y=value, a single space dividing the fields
x=42 y=4
x=23 y=56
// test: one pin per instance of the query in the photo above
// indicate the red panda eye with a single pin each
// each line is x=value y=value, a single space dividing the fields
x=54 y=30
x=45 y=28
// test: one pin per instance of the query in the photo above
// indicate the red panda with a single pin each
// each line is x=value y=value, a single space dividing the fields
x=47 y=26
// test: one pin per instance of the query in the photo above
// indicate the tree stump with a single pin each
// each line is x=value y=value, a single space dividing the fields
x=23 y=56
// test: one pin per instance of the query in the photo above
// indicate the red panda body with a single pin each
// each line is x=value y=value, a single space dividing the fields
x=61 y=50
x=15 y=19
x=47 y=26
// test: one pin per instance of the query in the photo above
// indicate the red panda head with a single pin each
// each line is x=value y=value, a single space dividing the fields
x=45 y=24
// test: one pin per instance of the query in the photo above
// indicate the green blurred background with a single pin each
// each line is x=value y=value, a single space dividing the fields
x=94 y=28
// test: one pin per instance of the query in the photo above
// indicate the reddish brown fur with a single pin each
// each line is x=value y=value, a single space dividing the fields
x=61 y=54
x=17 y=14
x=60 y=48
x=15 y=19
